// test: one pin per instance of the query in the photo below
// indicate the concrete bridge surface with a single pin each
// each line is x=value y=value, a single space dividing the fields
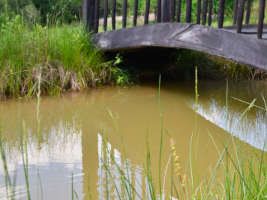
x=243 y=48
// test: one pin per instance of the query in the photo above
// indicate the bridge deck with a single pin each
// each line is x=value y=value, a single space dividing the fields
x=226 y=43
x=250 y=30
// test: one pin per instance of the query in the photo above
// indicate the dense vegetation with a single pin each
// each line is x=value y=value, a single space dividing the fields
x=43 y=10
x=44 y=49
x=45 y=40
x=70 y=10
x=56 y=57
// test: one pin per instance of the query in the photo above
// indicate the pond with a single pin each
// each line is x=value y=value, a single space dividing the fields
x=65 y=139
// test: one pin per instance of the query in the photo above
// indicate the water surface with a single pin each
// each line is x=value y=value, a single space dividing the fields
x=68 y=140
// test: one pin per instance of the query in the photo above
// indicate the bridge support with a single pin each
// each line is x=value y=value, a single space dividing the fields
x=261 y=18
x=165 y=11
x=230 y=45
x=88 y=14
x=84 y=11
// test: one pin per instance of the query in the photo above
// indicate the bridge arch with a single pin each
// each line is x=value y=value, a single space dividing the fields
x=219 y=42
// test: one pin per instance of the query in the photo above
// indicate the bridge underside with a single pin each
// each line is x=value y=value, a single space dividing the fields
x=242 y=48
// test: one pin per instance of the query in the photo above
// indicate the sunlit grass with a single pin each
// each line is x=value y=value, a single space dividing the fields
x=62 y=54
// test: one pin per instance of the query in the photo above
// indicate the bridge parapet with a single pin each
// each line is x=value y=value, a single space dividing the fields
x=205 y=12
x=218 y=42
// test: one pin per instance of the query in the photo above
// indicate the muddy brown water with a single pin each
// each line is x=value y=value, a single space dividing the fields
x=69 y=143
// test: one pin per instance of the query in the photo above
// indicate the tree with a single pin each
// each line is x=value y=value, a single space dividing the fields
x=64 y=10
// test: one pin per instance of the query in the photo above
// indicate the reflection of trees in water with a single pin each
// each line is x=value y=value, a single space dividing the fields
x=110 y=175
x=250 y=129
x=54 y=160
x=56 y=137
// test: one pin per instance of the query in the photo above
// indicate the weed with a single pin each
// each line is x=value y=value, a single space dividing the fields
x=62 y=54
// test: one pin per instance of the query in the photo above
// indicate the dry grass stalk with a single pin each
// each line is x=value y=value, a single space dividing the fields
x=177 y=167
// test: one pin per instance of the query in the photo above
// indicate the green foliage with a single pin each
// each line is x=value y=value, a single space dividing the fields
x=121 y=76
x=46 y=11
x=67 y=11
x=213 y=67
x=59 y=10
x=63 y=55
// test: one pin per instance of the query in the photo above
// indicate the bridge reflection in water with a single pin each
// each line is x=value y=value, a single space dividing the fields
x=71 y=144
x=250 y=130
x=110 y=164
x=110 y=184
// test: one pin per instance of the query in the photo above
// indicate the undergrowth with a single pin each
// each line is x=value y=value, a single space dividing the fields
x=62 y=54
x=212 y=67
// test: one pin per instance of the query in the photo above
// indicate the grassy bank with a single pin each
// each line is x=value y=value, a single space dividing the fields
x=60 y=56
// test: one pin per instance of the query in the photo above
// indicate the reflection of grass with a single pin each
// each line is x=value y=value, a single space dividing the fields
x=8 y=182
x=244 y=175
x=24 y=155
x=244 y=178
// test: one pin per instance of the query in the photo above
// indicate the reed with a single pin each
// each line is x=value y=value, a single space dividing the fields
x=8 y=182
x=11 y=185
x=24 y=155
x=62 y=54
x=74 y=194
x=244 y=178
x=161 y=138
x=244 y=174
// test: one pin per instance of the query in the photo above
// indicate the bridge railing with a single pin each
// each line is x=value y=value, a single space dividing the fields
x=205 y=12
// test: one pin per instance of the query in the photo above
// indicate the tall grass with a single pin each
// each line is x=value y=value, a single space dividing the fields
x=244 y=177
x=244 y=173
x=62 y=54
x=161 y=138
